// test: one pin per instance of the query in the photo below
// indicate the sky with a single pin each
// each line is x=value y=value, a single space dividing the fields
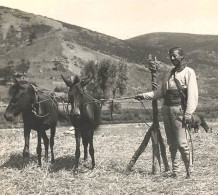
x=128 y=18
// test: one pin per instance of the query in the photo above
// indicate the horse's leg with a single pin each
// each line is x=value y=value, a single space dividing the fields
x=26 y=146
x=46 y=143
x=53 y=130
x=91 y=149
x=39 y=148
x=77 y=153
x=206 y=127
x=85 y=145
x=196 y=129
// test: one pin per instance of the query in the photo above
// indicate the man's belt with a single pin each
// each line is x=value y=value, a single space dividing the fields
x=172 y=98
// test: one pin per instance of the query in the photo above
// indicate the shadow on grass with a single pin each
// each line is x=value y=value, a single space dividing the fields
x=16 y=161
x=64 y=162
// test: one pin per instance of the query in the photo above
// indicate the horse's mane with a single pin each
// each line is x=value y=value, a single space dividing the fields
x=13 y=89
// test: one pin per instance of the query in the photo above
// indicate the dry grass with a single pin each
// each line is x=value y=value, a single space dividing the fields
x=114 y=147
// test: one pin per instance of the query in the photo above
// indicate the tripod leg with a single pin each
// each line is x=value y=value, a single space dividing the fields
x=139 y=151
x=163 y=151
x=156 y=150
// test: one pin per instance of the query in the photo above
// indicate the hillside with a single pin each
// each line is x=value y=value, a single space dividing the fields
x=201 y=53
x=193 y=45
x=70 y=47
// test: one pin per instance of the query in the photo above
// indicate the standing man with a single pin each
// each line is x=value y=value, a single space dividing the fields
x=180 y=93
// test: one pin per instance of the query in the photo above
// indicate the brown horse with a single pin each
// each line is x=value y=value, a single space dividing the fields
x=85 y=117
x=39 y=111
x=197 y=121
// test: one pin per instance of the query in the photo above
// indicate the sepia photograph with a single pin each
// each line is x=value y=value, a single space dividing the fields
x=108 y=97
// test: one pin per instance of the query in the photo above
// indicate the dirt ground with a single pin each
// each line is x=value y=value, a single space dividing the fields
x=114 y=147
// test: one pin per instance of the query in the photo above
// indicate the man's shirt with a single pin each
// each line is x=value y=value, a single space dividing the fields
x=187 y=79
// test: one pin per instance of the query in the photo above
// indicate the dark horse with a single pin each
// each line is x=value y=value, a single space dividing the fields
x=39 y=111
x=197 y=121
x=85 y=117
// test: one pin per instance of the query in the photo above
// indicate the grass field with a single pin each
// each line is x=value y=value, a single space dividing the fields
x=114 y=147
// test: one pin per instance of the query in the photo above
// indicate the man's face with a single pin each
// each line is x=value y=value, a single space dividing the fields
x=176 y=58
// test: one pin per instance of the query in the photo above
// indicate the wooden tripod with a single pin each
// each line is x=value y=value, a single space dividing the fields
x=153 y=132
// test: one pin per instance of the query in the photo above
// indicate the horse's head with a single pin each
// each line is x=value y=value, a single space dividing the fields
x=22 y=97
x=75 y=96
x=208 y=129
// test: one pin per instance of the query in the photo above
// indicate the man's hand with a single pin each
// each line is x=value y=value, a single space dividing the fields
x=187 y=119
x=139 y=97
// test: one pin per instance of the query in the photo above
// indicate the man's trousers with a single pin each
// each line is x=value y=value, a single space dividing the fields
x=177 y=137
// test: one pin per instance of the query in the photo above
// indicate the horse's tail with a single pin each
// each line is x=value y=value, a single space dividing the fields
x=204 y=123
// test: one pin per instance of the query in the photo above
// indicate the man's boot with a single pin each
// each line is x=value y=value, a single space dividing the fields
x=186 y=160
x=175 y=157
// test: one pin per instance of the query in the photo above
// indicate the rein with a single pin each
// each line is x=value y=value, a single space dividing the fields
x=143 y=106
x=101 y=101
x=50 y=96
x=191 y=156
x=39 y=102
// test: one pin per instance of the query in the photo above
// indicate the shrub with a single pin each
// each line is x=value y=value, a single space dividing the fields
x=60 y=89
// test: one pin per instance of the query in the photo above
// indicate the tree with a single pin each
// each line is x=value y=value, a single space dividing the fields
x=11 y=36
x=32 y=36
x=106 y=78
x=7 y=73
x=119 y=83
x=89 y=75
x=23 y=66
x=10 y=62
x=58 y=65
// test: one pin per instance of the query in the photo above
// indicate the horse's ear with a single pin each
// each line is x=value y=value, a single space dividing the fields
x=67 y=81
x=76 y=80
x=83 y=83
x=86 y=81
x=16 y=82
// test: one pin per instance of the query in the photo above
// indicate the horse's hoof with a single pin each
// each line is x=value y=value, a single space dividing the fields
x=52 y=161
x=75 y=171
x=166 y=173
x=191 y=169
x=167 y=170
x=24 y=164
x=174 y=176
x=86 y=165
x=188 y=177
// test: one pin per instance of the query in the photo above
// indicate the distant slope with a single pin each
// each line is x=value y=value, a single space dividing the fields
x=72 y=46
x=69 y=45
x=193 y=45
x=201 y=53
x=185 y=40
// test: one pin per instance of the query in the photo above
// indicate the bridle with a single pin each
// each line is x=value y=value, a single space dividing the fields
x=102 y=101
x=36 y=104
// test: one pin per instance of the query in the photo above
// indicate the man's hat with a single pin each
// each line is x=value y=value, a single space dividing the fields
x=181 y=52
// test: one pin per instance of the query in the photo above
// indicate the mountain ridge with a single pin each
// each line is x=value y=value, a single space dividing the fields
x=72 y=46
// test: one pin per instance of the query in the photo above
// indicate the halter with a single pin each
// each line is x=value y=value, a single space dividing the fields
x=38 y=102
